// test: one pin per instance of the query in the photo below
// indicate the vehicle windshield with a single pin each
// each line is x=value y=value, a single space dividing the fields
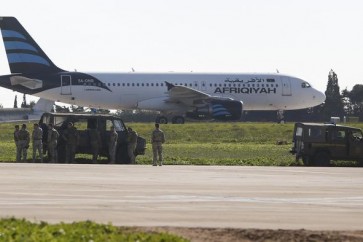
x=119 y=126
x=357 y=134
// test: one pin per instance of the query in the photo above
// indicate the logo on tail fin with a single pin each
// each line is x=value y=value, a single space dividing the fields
x=23 y=53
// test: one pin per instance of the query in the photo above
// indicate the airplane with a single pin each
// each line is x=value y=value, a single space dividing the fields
x=218 y=96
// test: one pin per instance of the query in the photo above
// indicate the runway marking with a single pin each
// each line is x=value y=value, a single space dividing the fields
x=347 y=201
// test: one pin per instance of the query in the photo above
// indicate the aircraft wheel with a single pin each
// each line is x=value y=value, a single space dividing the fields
x=178 y=120
x=161 y=120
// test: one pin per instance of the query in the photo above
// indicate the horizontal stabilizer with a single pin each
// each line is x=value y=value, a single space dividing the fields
x=26 y=82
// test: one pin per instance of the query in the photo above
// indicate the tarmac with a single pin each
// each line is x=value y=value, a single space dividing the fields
x=187 y=196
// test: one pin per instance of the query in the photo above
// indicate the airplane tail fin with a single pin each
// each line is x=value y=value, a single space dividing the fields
x=23 y=53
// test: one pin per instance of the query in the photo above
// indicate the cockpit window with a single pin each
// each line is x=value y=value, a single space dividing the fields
x=305 y=85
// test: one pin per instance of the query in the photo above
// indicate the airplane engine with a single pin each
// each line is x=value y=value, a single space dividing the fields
x=218 y=109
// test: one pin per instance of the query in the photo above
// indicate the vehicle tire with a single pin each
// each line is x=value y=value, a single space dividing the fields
x=61 y=154
x=322 y=159
x=178 y=120
x=307 y=160
x=161 y=120
x=121 y=155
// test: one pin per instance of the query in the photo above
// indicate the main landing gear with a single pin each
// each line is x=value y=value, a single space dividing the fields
x=174 y=120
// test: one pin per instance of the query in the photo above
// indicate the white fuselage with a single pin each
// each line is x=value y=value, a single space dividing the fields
x=149 y=90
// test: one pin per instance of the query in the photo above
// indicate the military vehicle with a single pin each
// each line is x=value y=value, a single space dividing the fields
x=85 y=122
x=318 y=144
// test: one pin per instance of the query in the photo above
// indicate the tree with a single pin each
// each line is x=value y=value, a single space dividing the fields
x=23 y=104
x=16 y=102
x=356 y=100
x=333 y=106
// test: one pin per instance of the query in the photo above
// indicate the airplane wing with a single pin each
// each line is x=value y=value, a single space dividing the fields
x=200 y=104
x=185 y=95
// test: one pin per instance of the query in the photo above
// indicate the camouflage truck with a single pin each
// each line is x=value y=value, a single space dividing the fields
x=318 y=144
x=85 y=122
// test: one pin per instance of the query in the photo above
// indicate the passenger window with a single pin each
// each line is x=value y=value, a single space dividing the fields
x=338 y=135
x=315 y=132
x=81 y=124
x=109 y=124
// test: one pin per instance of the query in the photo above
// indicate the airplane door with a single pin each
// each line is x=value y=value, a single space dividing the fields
x=66 y=83
x=286 y=86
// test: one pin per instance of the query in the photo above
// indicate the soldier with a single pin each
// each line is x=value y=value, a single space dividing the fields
x=16 y=140
x=131 y=144
x=52 y=141
x=70 y=136
x=23 y=142
x=95 y=140
x=157 y=140
x=112 y=145
x=37 y=136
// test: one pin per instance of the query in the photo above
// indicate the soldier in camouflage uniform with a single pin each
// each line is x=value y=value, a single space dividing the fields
x=70 y=136
x=23 y=142
x=131 y=144
x=37 y=136
x=157 y=140
x=52 y=140
x=16 y=140
x=112 y=145
x=95 y=140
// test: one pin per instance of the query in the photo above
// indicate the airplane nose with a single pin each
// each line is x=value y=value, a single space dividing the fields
x=319 y=97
